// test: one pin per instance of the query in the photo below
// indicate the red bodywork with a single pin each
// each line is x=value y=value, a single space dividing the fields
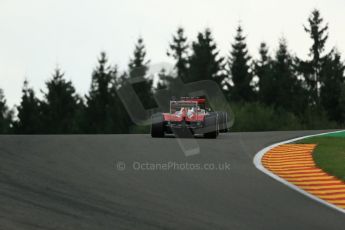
x=185 y=115
x=193 y=117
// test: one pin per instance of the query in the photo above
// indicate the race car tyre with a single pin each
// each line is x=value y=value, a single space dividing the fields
x=211 y=125
x=157 y=125
x=223 y=122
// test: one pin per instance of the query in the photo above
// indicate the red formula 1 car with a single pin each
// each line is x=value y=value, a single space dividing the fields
x=187 y=117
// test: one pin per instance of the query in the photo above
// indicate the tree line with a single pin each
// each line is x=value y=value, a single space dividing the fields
x=277 y=90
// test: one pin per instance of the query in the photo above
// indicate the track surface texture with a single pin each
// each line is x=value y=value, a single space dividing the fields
x=71 y=182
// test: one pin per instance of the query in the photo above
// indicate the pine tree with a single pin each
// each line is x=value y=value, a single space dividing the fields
x=138 y=67
x=205 y=61
x=101 y=111
x=123 y=123
x=60 y=106
x=179 y=51
x=29 y=113
x=311 y=69
x=333 y=87
x=173 y=86
x=163 y=80
x=5 y=115
x=263 y=70
x=122 y=120
x=240 y=71
x=288 y=93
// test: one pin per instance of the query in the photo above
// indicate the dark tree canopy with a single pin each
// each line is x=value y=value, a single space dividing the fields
x=287 y=87
x=205 y=61
x=240 y=70
x=311 y=69
x=319 y=34
x=179 y=51
x=333 y=87
x=60 y=106
x=100 y=102
x=29 y=112
x=138 y=67
x=139 y=62
x=5 y=114
x=263 y=71
x=163 y=82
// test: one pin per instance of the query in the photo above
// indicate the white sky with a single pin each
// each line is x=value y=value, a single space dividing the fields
x=36 y=35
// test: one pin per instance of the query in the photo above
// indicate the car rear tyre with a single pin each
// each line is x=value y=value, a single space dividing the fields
x=211 y=125
x=157 y=125
x=223 y=122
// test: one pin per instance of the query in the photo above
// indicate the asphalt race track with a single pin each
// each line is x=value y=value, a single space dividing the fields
x=71 y=182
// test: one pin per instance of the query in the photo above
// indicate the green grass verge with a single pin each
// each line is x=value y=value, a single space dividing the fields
x=329 y=154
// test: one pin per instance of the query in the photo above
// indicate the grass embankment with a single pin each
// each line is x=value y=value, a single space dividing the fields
x=329 y=154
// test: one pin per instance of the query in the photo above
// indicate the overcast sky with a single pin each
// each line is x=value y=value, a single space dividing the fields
x=36 y=35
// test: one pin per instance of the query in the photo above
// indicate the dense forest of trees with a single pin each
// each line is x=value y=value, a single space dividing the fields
x=276 y=91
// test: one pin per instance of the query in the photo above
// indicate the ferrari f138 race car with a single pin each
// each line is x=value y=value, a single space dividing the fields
x=189 y=117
